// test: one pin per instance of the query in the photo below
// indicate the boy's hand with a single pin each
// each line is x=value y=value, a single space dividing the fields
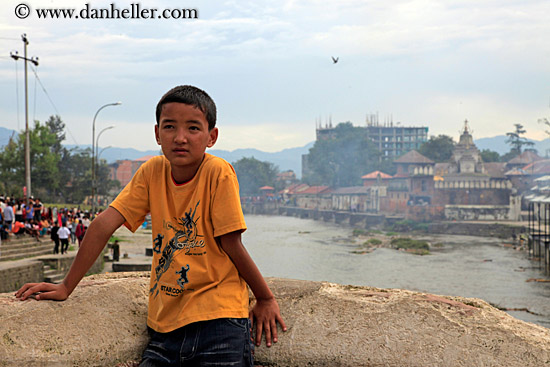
x=43 y=291
x=266 y=314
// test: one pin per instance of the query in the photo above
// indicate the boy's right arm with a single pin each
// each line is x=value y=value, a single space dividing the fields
x=97 y=235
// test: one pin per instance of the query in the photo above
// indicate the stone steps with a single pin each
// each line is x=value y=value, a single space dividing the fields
x=24 y=247
x=52 y=275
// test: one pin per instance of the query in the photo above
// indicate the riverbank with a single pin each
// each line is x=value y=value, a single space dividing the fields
x=369 y=221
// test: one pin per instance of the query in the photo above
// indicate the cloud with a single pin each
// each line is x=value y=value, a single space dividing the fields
x=267 y=64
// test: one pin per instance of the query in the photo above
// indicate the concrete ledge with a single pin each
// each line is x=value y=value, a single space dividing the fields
x=103 y=324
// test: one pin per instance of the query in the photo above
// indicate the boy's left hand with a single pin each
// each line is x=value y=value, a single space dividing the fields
x=266 y=315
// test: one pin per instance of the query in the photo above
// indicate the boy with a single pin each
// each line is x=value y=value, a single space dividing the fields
x=198 y=300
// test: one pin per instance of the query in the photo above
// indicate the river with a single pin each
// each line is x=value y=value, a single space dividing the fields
x=465 y=266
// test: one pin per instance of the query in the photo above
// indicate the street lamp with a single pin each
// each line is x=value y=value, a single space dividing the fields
x=101 y=151
x=97 y=156
x=94 y=150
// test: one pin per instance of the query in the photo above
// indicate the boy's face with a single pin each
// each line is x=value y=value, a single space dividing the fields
x=183 y=134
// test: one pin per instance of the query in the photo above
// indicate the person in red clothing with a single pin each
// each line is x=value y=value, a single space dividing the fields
x=18 y=228
x=80 y=231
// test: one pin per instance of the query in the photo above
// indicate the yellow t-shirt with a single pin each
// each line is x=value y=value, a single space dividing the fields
x=192 y=278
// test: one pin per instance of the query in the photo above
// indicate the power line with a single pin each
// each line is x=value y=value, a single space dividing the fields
x=44 y=89
x=17 y=97
x=53 y=104
x=34 y=101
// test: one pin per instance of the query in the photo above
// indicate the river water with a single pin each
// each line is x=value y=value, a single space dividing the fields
x=465 y=266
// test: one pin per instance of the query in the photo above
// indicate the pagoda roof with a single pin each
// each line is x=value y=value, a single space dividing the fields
x=315 y=190
x=525 y=158
x=351 y=190
x=413 y=157
x=541 y=167
x=374 y=175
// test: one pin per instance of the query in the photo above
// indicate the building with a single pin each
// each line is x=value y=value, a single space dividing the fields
x=470 y=189
x=392 y=140
x=123 y=170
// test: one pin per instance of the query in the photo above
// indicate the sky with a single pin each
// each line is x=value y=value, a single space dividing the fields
x=268 y=65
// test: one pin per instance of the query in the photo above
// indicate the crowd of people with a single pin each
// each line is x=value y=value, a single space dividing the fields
x=64 y=226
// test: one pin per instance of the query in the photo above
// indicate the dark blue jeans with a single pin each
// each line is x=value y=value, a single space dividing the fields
x=220 y=342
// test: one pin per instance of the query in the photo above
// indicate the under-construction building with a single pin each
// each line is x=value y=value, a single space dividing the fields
x=392 y=139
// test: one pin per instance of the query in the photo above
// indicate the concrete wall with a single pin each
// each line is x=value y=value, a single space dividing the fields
x=497 y=230
x=14 y=274
x=103 y=324
x=369 y=221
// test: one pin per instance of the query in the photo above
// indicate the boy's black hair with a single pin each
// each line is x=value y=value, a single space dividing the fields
x=192 y=96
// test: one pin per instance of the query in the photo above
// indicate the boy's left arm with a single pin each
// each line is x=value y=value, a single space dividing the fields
x=266 y=310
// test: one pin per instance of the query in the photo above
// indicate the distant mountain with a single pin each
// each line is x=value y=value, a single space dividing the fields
x=496 y=143
x=113 y=154
x=285 y=159
x=499 y=145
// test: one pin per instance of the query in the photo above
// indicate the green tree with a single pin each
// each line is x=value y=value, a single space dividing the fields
x=253 y=174
x=12 y=168
x=57 y=175
x=488 y=155
x=517 y=141
x=44 y=161
x=57 y=128
x=438 y=148
x=342 y=159
x=44 y=170
x=76 y=175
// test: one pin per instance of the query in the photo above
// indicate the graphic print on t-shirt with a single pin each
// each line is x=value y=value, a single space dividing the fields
x=186 y=239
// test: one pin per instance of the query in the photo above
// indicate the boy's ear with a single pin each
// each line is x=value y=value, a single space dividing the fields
x=213 y=137
x=157 y=134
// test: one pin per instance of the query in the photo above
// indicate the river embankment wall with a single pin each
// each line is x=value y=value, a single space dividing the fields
x=103 y=324
x=13 y=274
x=503 y=229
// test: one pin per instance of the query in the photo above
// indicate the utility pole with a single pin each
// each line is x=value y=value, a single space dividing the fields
x=34 y=60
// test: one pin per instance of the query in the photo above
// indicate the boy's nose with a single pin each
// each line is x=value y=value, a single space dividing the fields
x=180 y=137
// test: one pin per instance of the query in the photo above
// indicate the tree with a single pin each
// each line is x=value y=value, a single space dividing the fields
x=253 y=174
x=44 y=170
x=44 y=161
x=57 y=128
x=12 y=167
x=76 y=175
x=58 y=175
x=517 y=142
x=342 y=159
x=488 y=155
x=546 y=122
x=438 y=148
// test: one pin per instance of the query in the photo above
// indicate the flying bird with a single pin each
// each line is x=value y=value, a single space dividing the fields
x=334 y=60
